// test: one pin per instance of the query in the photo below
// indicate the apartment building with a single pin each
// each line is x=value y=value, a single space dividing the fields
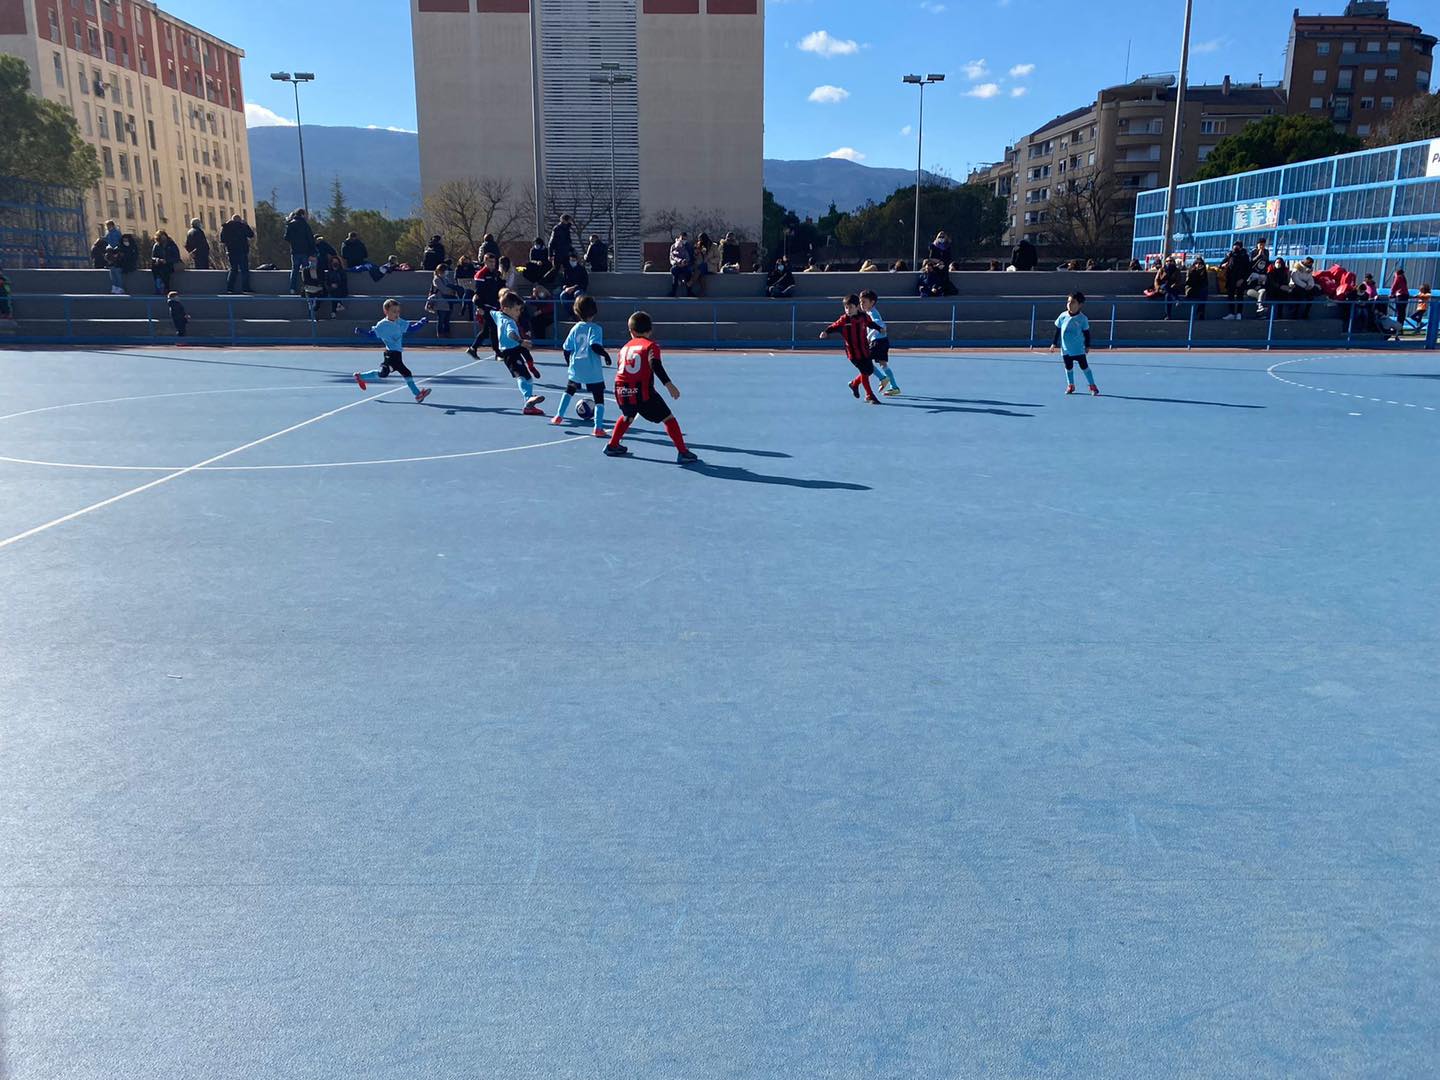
x=1125 y=132
x=159 y=99
x=1355 y=69
x=688 y=120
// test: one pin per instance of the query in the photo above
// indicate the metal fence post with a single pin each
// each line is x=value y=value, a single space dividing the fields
x=794 y=316
x=230 y=316
x=1349 y=323
x=1270 y=329
x=1034 y=312
x=714 y=325
x=69 y=326
x=1432 y=327
x=1190 y=333
x=150 y=317
x=952 y=325
x=1113 y=308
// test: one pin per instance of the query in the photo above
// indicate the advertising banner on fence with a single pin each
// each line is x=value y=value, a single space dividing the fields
x=1264 y=214
x=1432 y=163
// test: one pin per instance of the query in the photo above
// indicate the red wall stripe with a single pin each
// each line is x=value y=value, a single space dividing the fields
x=462 y=6
x=731 y=7
x=672 y=7
x=504 y=6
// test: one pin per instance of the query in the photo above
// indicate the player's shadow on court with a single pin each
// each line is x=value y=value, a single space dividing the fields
x=938 y=409
x=972 y=401
x=745 y=476
x=630 y=437
x=452 y=410
x=1182 y=401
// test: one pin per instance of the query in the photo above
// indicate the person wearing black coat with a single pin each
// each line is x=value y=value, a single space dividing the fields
x=1197 y=286
x=1237 y=278
x=301 y=239
x=574 y=280
x=562 y=242
x=164 y=257
x=337 y=284
x=354 y=251
x=235 y=237
x=1024 y=257
x=597 y=256
x=97 y=254
x=198 y=245
x=781 y=282
x=539 y=254
x=325 y=251
x=433 y=255
x=488 y=246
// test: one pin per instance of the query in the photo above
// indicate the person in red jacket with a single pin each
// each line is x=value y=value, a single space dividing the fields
x=636 y=369
x=854 y=327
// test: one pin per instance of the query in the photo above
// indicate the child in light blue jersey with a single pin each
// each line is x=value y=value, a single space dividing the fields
x=1072 y=335
x=390 y=332
x=512 y=352
x=584 y=349
x=878 y=335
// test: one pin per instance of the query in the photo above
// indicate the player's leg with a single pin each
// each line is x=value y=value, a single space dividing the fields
x=363 y=377
x=1069 y=374
x=397 y=362
x=657 y=412
x=1089 y=375
x=571 y=389
x=597 y=391
x=867 y=369
x=881 y=359
x=627 y=401
x=515 y=364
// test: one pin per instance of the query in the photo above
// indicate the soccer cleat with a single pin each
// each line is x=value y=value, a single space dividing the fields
x=360 y=382
x=893 y=391
x=531 y=410
x=1069 y=388
x=422 y=395
x=1094 y=390
x=601 y=433
x=470 y=352
x=884 y=385
x=855 y=389
x=534 y=400
x=685 y=457
x=534 y=372
x=617 y=451
x=872 y=400
x=558 y=421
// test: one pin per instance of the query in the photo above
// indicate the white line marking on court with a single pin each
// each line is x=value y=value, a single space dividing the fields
x=1271 y=371
x=103 y=503
x=152 y=397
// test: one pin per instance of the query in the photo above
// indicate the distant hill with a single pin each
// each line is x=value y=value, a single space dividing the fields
x=809 y=187
x=379 y=170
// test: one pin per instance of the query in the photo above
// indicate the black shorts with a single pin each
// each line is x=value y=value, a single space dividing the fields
x=880 y=352
x=865 y=366
x=394 y=362
x=632 y=404
x=516 y=361
x=597 y=389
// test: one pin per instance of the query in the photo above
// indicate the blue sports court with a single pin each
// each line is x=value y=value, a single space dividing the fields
x=987 y=732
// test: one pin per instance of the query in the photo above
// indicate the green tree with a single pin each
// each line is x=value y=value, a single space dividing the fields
x=42 y=141
x=335 y=218
x=1415 y=119
x=1276 y=140
x=972 y=215
x=783 y=231
x=270 y=246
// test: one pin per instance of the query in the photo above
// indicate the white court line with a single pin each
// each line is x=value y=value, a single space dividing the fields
x=1271 y=371
x=181 y=393
x=38 y=529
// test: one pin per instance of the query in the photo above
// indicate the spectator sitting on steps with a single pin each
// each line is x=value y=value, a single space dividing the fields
x=574 y=280
x=164 y=257
x=1024 y=257
x=781 y=282
x=597 y=256
x=325 y=251
x=729 y=254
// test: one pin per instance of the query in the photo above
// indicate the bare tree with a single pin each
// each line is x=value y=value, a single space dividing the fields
x=1088 y=216
x=585 y=196
x=464 y=210
x=664 y=223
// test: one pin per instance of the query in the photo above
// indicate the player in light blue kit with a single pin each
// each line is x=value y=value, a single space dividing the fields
x=584 y=349
x=1072 y=335
x=512 y=351
x=878 y=335
x=390 y=332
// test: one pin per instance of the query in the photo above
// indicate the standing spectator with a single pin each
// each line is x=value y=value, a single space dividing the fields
x=302 y=246
x=729 y=254
x=597 y=255
x=97 y=252
x=235 y=237
x=1024 y=257
x=681 y=257
x=1135 y=265
x=443 y=294
x=940 y=248
x=574 y=280
x=781 y=282
x=354 y=251
x=129 y=254
x=114 y=257
x=1197 y=286
x=198 y=245
x=488 y=246
x=1237 y=268
x=325 y=251
x=487 y=285
x=433 y=255
x=1400 y=294
x=164 y=257
x=562 y=242
x=700 y=264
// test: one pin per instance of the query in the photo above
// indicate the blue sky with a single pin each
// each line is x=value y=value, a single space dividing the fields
x=833 y=67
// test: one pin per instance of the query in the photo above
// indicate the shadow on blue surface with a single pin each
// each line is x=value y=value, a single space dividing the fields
x=708 y=446
x=745 y=476
x=1182 y=401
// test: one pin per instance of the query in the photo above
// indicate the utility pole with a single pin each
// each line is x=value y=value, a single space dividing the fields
x=1167 y=242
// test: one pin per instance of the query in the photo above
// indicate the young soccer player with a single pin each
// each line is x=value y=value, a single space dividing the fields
x=1072 y=334
x=390 y=332
x=854 y=326
x=512 y=352
x=178 y=315
x=584 y=349
x=635 y=392
x=878 y=338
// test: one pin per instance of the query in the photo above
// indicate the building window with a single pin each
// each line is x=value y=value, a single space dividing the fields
x=1387 y=103
x=130 y=127
x=1347 y=79
x=110 y=46
x=1367 y=103
x=102 y=123
x=184 y=189
x=112 y=208
x=145 y=92
x=1422 y=80
x=129 y=203
x=1393 y=48
x=129 y=95
x=54 y=26
x=1212 y=127
x=175 y=109
x=1371 y=74
x=142 y=206
x=125 y=52
x=160 y=209
x=1317 y=103
x=107 y=161
x=59 y=70
x=1319 y=76
x=85 y=115
x=1322 y=48
x=1203 y=152
x=124 y=167
x=150 y=130
x=1372 y=46
x=1362 y=130
x=1347 y=46
x=155 y=174
x=1091 y=158
x=93 y=35
x=1392 y=74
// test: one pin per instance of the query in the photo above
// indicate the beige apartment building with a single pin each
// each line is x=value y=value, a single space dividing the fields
x=689 y=113
x=159 y=99
x=1125 y=132
x=1355 y=69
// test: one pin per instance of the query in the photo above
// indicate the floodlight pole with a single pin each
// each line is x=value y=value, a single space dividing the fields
x=609 y=76
x=921 y=82
x=536 y=118
x=295 y=80
x=1167 y=245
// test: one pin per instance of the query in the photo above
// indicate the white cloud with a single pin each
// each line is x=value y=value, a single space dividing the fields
x=389 y=127
x=821 y=43
x=1019 y=71
x=828 y=95
x=847 y=153
x=932 y=7
x=260 y=116
x=1211 y=46
x=984 y=90
x=907 y=130
x=1019 y=91
x=976 y=69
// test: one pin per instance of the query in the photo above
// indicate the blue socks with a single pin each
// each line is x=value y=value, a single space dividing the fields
x=1089 y=377
x=370 y=376
x=411 y=384
x=1070 y=376
x=564 y=405
x=885 y=373
x=599 y=416
x=526 y=387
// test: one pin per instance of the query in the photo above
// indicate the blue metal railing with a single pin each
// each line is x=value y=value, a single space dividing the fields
x=720 y=324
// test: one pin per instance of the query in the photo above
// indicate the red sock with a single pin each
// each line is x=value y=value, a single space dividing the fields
x=865 y=379
x=618 y=432
x=856 y=381
x=672 y=428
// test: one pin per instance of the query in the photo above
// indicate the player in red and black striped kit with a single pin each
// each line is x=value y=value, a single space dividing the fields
x=636 y=369
x=853 y=327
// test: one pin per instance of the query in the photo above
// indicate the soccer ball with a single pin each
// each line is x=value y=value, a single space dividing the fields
x=585 y=410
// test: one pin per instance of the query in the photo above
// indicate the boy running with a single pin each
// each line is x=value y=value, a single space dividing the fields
x=390 y=331
x=584 y=349
x=853 y=327
x=512 y=352
x=635 y=391
x=1072 y=332
x=878 y=338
